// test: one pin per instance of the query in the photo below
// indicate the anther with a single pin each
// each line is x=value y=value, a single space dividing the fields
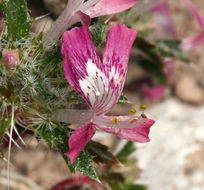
x=143 y=107
x=132 y=111
x=115 y=120
x=143 y=116
x=133 y=121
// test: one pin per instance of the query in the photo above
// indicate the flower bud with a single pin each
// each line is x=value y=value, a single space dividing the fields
x=10 y=58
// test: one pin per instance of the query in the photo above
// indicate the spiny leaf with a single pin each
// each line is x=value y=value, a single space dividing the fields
x=16 y=19
x=101 y=154
x=171 y=48
x=57 y=139
x=98 y=33
x=149 y=60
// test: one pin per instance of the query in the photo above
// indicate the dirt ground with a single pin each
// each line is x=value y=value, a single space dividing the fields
x=36 y=167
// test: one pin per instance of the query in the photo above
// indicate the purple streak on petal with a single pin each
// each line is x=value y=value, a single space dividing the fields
x=162 y=16
x=191 y=43
x=131 y=132
x=77 y=50
x=195 y=13
x=107 y=7
x=85 y=19
x=78 y=140
x=115 y=61
x=153 y=93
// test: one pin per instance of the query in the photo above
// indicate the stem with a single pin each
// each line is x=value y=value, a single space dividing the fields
x=62 y=24
x=10 y=141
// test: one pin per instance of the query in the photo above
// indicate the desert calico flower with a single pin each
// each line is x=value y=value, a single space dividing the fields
x=100 y=84
x=80 y=10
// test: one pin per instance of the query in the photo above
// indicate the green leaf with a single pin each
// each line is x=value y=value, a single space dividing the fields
x=4 y=126
x=101 y=154
x=57 y=139
x=149 y=60
x=126 y=151
x=171 y=48
x=151 y=67
x=128 y=187
x=98 y=33
x=149 y=50
x=16 y=19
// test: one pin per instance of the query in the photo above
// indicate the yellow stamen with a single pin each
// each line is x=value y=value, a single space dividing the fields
x=133 y=121
x=132 y=111
x=143 y=116
x=115 y=120
x=143 y=107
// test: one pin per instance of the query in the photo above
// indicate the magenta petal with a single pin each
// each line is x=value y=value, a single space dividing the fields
x=138 y=132
x=195 y=13
x=81 y=63
x=78 y=140
x=115 y=62
x=153 y=93
x=191 y=43
x=85 y=19
x=162 y=16
x=107 y=7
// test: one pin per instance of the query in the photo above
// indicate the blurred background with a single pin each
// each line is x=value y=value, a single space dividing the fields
x=173 y=159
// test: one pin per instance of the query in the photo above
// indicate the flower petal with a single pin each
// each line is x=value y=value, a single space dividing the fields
x=115 y=62
x=191 y=43
x=107 y=7
x=78 y=140
x=82 y=67
x=85 y=19
x=153 y=93
x=136 y=132
x=194 y=41
x=195 y=13
x=163 y=18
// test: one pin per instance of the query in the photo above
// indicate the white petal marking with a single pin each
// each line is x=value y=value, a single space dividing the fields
x=94 y=84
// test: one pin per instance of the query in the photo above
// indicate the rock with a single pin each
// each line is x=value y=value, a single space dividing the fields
x=173 y=159
x=42 y=25
x=55 y=6
x=187 y=89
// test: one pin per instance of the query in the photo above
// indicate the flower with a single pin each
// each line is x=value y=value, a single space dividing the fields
x=78 y=10
x=164 y=23
x=100 y=85
x=194 y=41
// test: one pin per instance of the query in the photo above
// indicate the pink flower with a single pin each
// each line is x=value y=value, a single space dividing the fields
x=100 y=84
x=194 y=41
x=165 y=26
x=153 y=93
x=78 y=10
